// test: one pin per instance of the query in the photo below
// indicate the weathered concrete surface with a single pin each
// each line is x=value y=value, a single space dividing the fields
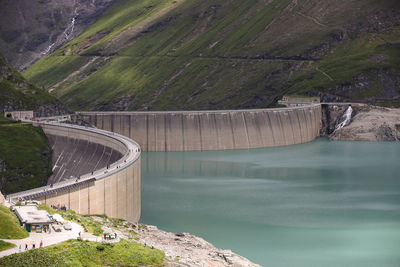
x=114 y=191
x=76 y=157
x=212 y=130
x=371 y=123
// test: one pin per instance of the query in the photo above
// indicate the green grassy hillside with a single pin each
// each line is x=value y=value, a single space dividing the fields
x=5 y=245
x=85 y=253
x=25 y=157
x=16 y=93
x=215 y=54
x=9 y=225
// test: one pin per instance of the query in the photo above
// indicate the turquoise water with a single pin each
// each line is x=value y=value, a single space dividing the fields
x=323 y=203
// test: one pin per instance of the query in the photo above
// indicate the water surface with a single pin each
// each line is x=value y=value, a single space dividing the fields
x=323 y=203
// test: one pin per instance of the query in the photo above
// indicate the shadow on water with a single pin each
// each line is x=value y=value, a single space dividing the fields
x=323 y=203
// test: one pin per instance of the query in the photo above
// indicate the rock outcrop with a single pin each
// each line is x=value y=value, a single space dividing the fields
x=16 y=93
x=31 y=29
x=184 y=249
x=370 y=123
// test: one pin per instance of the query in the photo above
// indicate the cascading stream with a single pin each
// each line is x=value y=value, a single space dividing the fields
x=67 y=32
x=345 y=119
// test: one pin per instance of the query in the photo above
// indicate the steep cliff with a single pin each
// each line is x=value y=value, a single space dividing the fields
x=31 y=29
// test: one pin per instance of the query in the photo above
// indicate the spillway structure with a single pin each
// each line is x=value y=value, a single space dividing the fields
x=212 y=130
x=94 y=172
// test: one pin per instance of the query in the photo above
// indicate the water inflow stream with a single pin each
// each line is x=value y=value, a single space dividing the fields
x=323 y=203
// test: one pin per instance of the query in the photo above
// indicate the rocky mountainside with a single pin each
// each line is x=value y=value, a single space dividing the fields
x=216 y=54
x=370 y=123
x=18 y=94
x=30 y=29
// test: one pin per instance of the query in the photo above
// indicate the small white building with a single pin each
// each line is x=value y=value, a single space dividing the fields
x=33 y=219
x=296 y=101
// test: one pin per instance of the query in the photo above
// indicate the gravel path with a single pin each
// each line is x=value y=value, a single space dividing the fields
x=47 y=239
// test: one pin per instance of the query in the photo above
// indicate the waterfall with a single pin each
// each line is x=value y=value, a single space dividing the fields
x=70 y=29
x=345 y=119
x=67 y=32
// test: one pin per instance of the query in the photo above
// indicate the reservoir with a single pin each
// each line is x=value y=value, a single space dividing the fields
x=324 y=203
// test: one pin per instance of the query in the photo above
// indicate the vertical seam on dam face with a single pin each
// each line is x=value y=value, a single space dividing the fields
x=165 y=133
x=307 y=128
x=147 y=132
x=249 y=128
x=270 y=126
x=231 y=126
x=216 y=130
x=200 y=134
x=291 y=126
x=300 y=128
x=246 y=130
x=183 y=134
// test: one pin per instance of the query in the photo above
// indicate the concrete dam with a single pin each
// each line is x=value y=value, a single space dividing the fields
x=212 y=130
x=74 y=157
x=105 y=169
x=97 y=171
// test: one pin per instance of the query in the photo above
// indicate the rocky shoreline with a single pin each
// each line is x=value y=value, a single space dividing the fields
x=370 y=123
x=184 y=249
x=181 y=249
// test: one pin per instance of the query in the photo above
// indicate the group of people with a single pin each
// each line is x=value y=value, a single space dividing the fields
x=109 y=236
x=33 y=246
x=59 y=207
x=47 y=229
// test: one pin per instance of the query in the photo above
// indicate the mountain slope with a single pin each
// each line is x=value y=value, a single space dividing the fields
x=18 y=94
x=215 y=54
x=30 y=29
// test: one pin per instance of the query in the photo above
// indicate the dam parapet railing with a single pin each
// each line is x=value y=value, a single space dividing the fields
x=212 y=129
x=126 y=168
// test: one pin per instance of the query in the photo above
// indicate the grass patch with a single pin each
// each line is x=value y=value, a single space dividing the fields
x=5 y=245
x=86 y=253
x=15 y=91
x=27 y=156
x=365 y=56
x=10 y=227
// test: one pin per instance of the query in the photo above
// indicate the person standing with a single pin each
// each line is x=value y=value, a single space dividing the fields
x=41 y=243
x=20 y=248
x=26 y=246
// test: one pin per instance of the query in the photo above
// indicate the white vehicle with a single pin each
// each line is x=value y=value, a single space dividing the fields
x=57 y=228
x=67 y=227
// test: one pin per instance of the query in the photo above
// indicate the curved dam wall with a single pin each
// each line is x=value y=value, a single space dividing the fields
x=212 y=130
x=114 y=192
x=75 y=157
